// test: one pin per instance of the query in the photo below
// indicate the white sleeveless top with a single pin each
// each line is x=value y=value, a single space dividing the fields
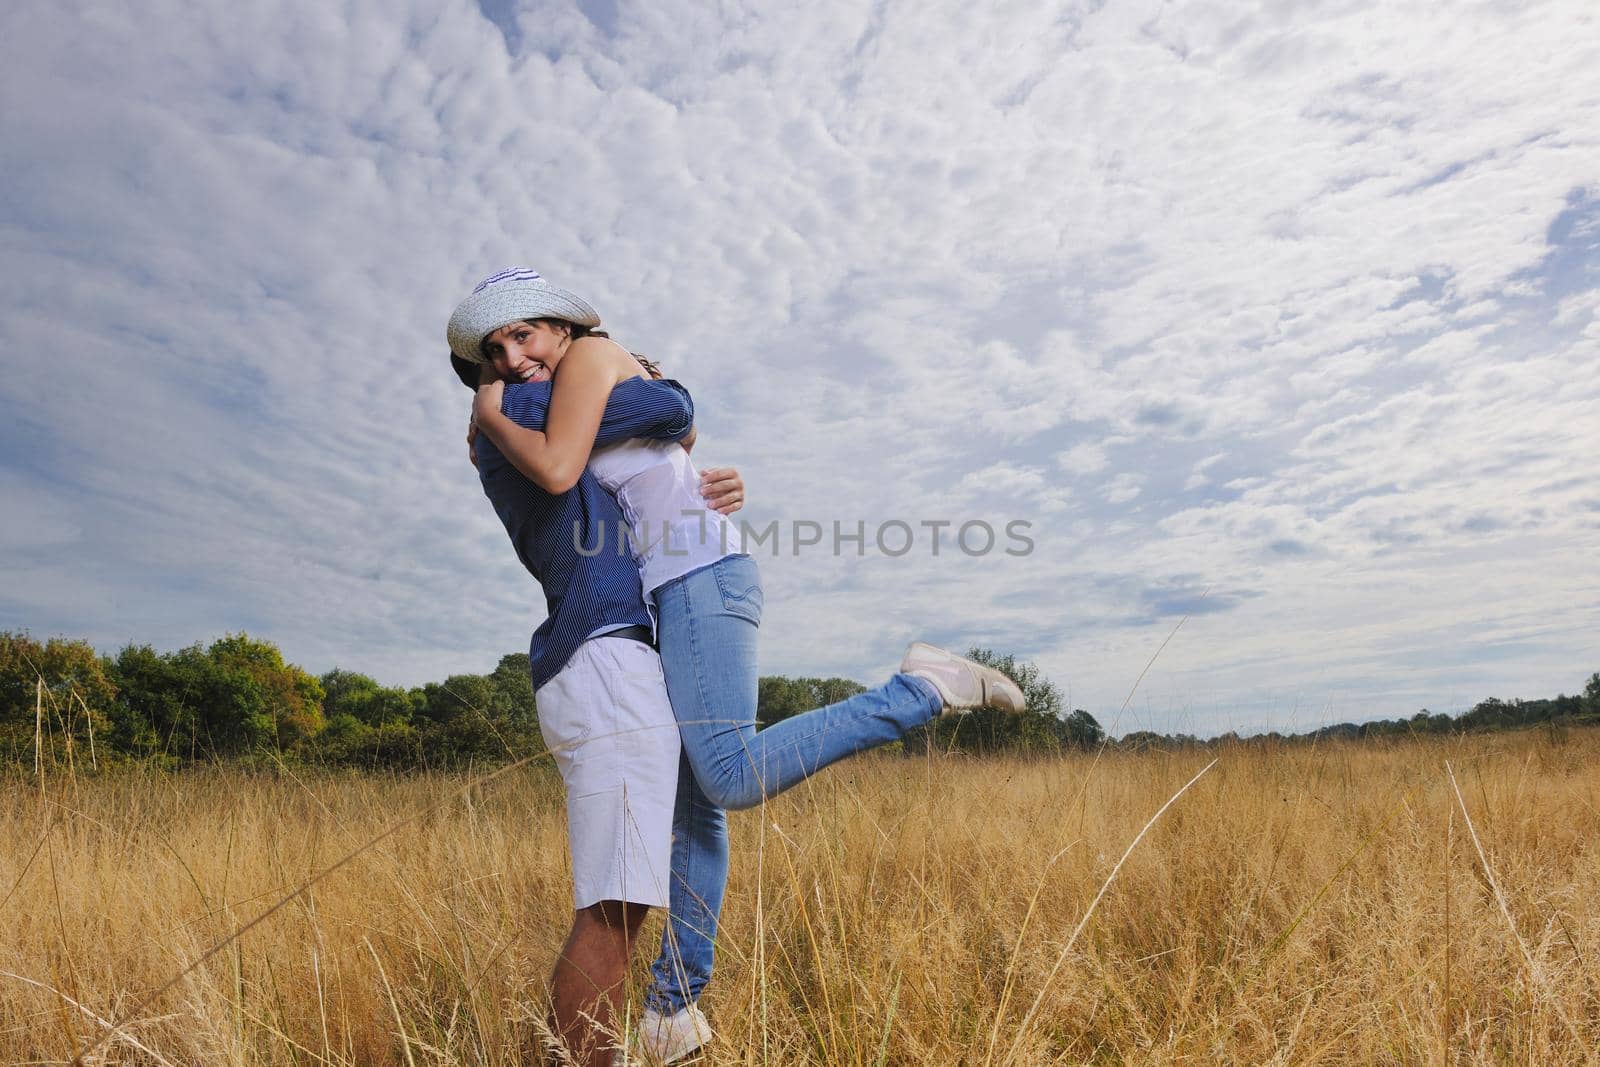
x=674 y=529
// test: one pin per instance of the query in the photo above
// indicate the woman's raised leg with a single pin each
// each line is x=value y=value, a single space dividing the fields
x=709 y=621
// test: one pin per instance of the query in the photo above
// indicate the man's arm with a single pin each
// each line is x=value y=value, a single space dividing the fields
x=721 y=487
x=637 y=407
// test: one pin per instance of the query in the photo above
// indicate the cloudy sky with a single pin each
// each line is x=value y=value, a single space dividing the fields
x=1279 y=317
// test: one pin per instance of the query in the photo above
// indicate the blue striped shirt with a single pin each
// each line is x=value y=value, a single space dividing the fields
x=588 y=590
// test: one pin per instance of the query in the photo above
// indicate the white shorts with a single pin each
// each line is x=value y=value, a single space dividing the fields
x=607 y=721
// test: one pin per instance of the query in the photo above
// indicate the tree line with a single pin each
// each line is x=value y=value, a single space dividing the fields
x=1492 y=713
x=237 y=699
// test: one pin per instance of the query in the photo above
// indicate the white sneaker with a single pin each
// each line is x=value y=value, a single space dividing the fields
x=669 y=1038
x=963 y=683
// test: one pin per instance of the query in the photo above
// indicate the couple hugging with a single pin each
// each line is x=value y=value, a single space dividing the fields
x=645 y=668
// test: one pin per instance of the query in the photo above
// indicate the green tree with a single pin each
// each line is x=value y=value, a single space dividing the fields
x=513 y=684
x=1591 y=696
x=234 y=697
x=348 y=741
x=1083 y=729
x=363 y=699
x=778 y=698
x=368 y=725
x=158 y=700
x=281 y=703
x=1039 y=728
x=61 y=686
x=1142 y=740
x=1490 y=714
x=471 y=717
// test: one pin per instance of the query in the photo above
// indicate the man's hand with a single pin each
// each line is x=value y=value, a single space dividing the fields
x=723 y=489
x=472 y=439
x=491 y=390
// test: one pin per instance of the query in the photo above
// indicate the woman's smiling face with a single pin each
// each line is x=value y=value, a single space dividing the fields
x=526 y=351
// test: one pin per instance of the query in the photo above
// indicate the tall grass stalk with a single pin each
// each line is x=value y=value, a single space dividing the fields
x=1066 y=950
x=1535 y=972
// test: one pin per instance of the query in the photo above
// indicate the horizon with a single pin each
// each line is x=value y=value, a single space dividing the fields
x=1173 y=730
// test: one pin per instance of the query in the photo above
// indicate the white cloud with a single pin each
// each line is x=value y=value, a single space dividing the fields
x=1301 y=310
x=1083 y=459
x=1123 y=488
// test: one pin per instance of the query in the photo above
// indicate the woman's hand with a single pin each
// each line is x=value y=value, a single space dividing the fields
x=722 y=489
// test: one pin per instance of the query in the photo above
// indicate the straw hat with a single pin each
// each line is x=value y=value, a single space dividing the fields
x=512 y=295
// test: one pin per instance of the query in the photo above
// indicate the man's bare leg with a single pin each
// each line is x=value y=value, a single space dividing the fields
x=587 y=984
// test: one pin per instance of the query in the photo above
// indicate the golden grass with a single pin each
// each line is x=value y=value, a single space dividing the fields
x=1297 y=905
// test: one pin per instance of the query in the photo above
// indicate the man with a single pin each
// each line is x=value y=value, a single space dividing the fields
x=603 y=707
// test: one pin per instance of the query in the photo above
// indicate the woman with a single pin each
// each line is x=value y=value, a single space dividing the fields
x=706 y=595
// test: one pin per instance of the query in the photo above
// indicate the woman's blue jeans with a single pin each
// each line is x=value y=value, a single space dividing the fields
x=708 y=621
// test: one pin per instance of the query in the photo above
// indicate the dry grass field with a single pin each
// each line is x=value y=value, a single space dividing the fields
x=1300 y=905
